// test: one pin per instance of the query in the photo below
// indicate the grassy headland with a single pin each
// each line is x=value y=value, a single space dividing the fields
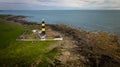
x=18 y=53
x=93 y=49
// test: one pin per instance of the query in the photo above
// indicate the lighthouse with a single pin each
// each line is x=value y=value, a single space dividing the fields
x=43 y=29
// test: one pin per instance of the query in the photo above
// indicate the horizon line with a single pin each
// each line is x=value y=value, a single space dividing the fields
x=63 y=9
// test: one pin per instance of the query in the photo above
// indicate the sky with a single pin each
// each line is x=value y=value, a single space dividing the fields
x=59 y=4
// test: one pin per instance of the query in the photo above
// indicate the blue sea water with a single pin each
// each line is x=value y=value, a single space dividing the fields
x=90 y=20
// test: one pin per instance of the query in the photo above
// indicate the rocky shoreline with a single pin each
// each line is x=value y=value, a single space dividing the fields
x=94 y=49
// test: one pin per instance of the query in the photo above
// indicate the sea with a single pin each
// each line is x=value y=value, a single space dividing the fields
x=89 y=20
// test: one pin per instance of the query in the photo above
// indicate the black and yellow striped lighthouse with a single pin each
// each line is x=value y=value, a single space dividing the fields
x=43 y=28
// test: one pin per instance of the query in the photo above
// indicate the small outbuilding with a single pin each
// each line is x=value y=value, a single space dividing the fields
x=22 y=37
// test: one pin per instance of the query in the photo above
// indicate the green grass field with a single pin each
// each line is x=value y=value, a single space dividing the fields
x=20 y=53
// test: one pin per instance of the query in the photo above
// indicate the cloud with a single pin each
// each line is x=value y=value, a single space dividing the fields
x=47 y=0
x=61 y=4
x=11 y=3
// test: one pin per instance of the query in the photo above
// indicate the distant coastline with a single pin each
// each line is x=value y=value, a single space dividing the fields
x=89 y=20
